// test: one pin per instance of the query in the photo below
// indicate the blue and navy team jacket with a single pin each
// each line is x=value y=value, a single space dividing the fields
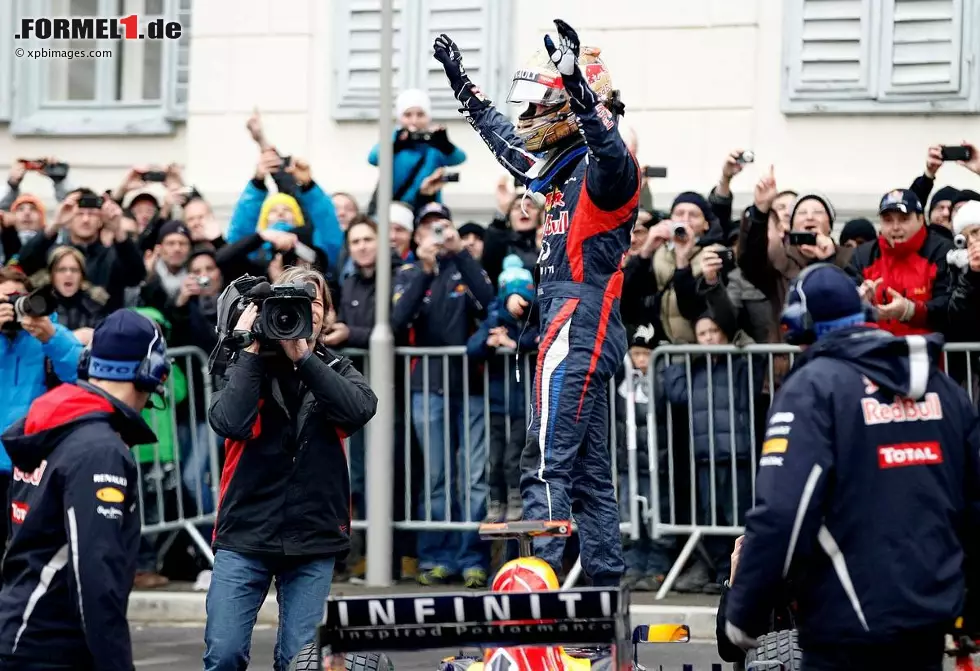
x=75 y=531
x=867 y=497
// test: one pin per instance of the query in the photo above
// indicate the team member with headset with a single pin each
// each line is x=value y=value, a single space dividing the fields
x=868 y=492
x=71 y=558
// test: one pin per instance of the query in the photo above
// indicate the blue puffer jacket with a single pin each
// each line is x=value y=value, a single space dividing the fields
x=22 y=373
x=406 y=159
x=701 y=408
x=317 y=209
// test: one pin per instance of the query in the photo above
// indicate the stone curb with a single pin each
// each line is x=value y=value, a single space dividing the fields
x=152 y=607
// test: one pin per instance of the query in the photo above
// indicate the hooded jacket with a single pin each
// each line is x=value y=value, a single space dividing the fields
x=71 y=559
x=867 y=496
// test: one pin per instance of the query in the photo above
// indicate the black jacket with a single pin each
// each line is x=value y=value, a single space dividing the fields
x=356 y=305
x=500 y=241
x=71 y=560
x=112 y=268
x=80 y=311
x=867 y=496
x=285 y=488
x=442 y=309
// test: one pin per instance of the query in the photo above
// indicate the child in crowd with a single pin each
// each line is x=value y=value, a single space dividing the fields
x=647 y=560
x=717 y=390
x=505 y=394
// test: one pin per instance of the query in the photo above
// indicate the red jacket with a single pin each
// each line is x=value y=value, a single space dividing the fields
x=916 y=269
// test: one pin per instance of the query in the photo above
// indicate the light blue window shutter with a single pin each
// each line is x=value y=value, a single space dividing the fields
x=475 y=25
x=6 y=59
x=828 y=49
x=179 y=71
x=357 y=56
x=922 y=48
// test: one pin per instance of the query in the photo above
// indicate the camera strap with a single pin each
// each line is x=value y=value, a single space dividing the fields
x=402 y=188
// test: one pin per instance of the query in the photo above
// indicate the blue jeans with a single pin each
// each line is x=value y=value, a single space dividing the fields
x=239 y=585
x=456 y=551
x=196 y=465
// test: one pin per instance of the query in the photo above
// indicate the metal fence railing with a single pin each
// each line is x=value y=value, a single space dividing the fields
x=685 y=438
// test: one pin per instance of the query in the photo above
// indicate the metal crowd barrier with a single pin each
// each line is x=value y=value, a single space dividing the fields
x=179 y=475
x=458 y=445
x=451 y=433
x=678 y=464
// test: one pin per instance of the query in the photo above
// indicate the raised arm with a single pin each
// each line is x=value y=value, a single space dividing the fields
x=496 y=130
x=613 y=175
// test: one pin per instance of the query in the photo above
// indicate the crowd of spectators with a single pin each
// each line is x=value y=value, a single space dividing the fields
x=697 y=273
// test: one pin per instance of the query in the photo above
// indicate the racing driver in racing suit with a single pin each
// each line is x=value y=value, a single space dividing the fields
x=867 y=495
x=567 y=148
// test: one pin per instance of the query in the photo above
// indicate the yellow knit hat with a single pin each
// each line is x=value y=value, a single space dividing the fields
x=279 y=199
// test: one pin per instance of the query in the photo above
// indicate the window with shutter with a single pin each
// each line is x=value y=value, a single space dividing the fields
x=179 y=76
x=921 y=46
x=881 y=56
x=357 y=55
x=831 y=39
x=476 y=25
x=130 y=88
x=6 y=60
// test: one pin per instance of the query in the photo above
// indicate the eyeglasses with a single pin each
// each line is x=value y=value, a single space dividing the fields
x=68 y=271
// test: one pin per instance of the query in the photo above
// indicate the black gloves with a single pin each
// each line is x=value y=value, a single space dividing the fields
x=565 y=57
x=447 y=53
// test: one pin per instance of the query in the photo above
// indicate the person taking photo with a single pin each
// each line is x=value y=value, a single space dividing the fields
x=284 y=410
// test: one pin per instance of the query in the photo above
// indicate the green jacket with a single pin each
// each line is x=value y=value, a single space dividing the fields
x=162 y=421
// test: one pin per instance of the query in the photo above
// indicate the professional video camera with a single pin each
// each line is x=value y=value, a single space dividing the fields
x=38 y=303
x=285 y=313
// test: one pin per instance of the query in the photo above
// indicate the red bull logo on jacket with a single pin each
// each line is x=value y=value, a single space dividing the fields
x=32 y=478
x=902 y=410
x=555 y=198
x=556 y=225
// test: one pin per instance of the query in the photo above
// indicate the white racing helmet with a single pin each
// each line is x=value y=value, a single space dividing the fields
x=548 y=118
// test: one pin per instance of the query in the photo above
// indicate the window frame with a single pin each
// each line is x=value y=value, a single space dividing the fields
x=32 y=115
x=880 y=98
x=496 y=40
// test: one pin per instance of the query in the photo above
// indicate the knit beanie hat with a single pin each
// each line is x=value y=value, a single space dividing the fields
x=119 y=345
x=947 y=193
x=696 y=199
x=858 y=229
x=410 y=98
x=813 y=195
x=280 y=199
x=515 y=279
x=968 y=215
x=35 y=202
x=832 y=299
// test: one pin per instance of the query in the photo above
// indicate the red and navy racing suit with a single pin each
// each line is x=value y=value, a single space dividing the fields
x=591 y=199
x=868 y=502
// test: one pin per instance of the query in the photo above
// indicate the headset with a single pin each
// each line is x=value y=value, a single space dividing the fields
x=150 y=374
x=796 y=322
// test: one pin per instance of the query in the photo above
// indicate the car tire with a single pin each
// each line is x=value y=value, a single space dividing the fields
x=778 y=646
x=305 y=660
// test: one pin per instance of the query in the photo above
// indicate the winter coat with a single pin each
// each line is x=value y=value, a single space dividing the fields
x=719 y=417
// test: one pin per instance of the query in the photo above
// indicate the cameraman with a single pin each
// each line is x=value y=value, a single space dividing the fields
x=25 y=347
x=284 y=508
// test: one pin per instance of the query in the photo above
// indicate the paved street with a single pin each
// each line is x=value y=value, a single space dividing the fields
x=180 y=648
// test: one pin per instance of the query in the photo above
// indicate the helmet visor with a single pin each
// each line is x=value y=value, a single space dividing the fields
x=535 y=92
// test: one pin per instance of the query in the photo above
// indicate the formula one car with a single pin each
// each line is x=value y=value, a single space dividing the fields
x=519 y=625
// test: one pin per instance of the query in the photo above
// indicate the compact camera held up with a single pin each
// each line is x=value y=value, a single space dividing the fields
x=285 y=313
